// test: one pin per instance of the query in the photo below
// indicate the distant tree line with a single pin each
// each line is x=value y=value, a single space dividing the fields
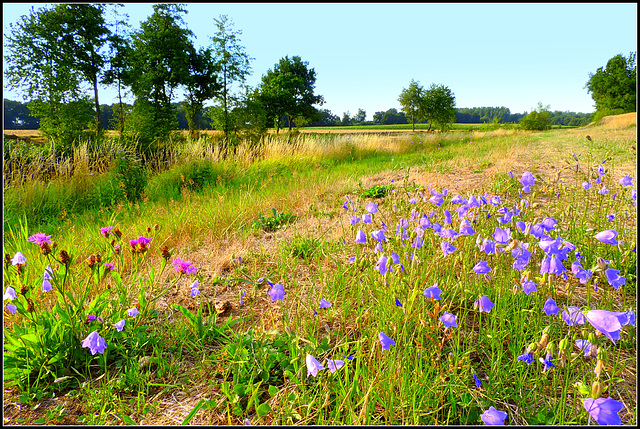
x=17 y=116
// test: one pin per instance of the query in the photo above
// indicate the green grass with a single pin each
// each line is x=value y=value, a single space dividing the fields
x=253 y=364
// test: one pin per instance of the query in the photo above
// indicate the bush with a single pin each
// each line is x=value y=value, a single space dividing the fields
x=132 y=176
x=539 y=119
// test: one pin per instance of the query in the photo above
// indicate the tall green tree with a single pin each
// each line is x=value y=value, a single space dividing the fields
x=613 y=88
x=287 y=91
x=201 y=85
x=39 y=64
x=119 y=45
x=159 y=62
x=412 y=100
x=440 y=105
x=233 y=65
x=83 y=34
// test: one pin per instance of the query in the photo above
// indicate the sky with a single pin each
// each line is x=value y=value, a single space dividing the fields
x=364 y=54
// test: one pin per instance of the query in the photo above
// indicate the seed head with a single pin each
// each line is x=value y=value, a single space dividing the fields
x=91 y=261
x=64 y=257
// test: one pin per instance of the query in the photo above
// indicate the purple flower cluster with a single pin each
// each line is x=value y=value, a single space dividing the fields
x=184 y=267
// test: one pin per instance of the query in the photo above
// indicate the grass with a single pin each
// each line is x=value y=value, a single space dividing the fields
x=217 y=366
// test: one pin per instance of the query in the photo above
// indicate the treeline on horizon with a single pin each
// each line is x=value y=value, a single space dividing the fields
x=17 y=117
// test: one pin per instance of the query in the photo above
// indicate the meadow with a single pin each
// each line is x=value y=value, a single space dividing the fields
x=473 y=277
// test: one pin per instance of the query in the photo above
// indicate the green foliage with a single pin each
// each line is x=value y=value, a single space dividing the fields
x=391 y=116
x=51 y=52
x=132 y=176
x=376 y=191
x=538 y=120
x=412 y=100
x=257 y=366
x=233 y=65
x=614 y=88
x=274 y=222
x=302 y=247
x=201 y=85
x=287 y=91
x=440 y=105
x=159 y=63
x=44 y=349
x=18 y=116
x=486 y=114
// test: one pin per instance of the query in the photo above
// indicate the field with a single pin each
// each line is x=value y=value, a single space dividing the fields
x=336 y=249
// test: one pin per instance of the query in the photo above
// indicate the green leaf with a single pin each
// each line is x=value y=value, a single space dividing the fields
x=40 y=421
x=128 y=420
x=452 y=401
x=32 y=338
x=292 y=377
x=240 y=389
x=263 y=409
x=193 y=412
x=56 y=358
x=273 y=390
x=190 y=316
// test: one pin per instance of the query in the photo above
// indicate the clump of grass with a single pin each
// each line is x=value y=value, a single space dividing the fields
x=274 y=222
x=376 y=191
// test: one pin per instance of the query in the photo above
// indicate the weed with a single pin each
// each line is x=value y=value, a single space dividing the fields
x=376 y=191
x=274 y=222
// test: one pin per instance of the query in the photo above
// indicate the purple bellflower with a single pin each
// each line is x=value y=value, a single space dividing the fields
x=95 y=343
x=385 y=341
x=493 y=417
x=604 y=410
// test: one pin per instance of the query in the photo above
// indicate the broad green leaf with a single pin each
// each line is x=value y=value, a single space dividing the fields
x=263 y=409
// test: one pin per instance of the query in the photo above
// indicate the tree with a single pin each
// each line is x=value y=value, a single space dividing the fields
x=613 y=88
x=346 y=119
x=120 y=49
x=440 y=105
x=359 y=117
x=288 y=91
x=325 y=119
x=159 y=59
x=413 y=103
x=539 y=119
x=84 y=32
x=392 y=116
x=39 y=63
x=233 y=65
x=201 y=85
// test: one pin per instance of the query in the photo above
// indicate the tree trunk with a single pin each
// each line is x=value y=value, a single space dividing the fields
x=98 y=113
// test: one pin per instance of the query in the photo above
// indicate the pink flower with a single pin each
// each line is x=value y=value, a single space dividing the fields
x=184 y=267
x=40 y=238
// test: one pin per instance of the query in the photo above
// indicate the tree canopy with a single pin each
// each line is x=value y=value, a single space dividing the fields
x=613 y=88
x=412 y=100
x=287 y=91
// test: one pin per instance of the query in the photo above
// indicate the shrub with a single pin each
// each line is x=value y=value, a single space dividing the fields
x=539 y=119
x=132 y=176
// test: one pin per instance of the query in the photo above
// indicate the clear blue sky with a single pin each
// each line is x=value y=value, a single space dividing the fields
x=512 y=55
